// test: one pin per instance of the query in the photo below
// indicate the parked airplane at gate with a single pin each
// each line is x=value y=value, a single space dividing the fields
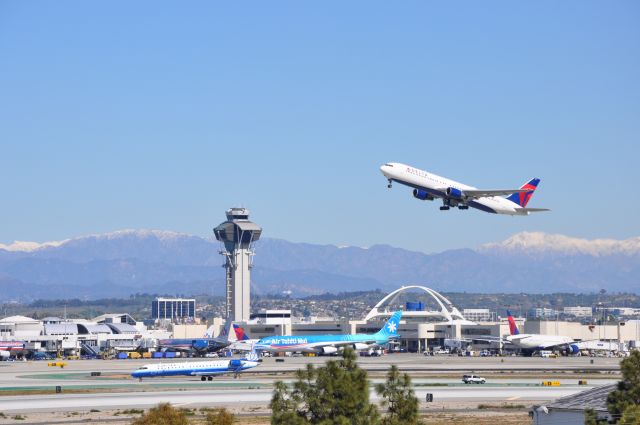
x=534 y=342
x=427 y=187
x=198 y=346
x=328 y=344
x=7 y=347
x=205 y=370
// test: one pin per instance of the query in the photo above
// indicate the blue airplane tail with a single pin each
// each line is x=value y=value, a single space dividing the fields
x=390 y=329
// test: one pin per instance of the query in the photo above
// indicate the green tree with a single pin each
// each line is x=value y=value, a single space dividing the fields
x=399 y=399
x=336 y=394
x=631 y=416
x=628 y=393
x=163 y=414
x=219 y=417
x=284 y=407
x=591 y=418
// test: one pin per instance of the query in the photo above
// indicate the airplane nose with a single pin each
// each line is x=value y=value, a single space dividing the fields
x=385 y=170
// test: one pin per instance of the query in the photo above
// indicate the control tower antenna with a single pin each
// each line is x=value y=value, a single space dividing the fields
x=238 y=235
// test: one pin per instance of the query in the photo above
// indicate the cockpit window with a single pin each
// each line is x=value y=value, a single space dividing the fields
x=389 y=165
x=144 y=368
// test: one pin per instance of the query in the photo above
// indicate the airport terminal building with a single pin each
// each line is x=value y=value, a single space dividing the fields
x=429 y=322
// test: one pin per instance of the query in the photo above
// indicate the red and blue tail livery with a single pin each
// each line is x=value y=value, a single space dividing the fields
x=513 y=329
x=240 y=335
x=522 y=198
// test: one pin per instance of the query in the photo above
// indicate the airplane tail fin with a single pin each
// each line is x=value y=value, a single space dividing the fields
x=522 y=198
x=224 y=333
x=240 y=333
x=390 y=329
x=209 y=332
x=513 y=329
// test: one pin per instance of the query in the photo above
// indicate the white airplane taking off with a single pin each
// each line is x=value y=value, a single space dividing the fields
x=427 y=187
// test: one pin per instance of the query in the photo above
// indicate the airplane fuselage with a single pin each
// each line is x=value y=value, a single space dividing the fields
x=435 y=186
x=316 y=343
x=206 y=368
x=538 y=341
x=198 y=345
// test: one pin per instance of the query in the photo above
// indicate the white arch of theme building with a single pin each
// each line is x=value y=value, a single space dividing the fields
x=448 y=311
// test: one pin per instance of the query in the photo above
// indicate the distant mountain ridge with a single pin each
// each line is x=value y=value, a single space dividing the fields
x=538 y=241
x=129 y=261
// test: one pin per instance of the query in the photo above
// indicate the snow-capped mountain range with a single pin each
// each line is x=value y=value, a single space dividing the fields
x=544 y=242
x=129 y=261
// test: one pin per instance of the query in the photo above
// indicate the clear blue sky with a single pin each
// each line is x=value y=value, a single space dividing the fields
x=153 y=114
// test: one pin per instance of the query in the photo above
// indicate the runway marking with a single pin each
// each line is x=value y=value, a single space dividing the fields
x=513 y=398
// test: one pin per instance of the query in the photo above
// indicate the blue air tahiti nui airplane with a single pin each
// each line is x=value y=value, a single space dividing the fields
x=427 y=187
x=329 y=344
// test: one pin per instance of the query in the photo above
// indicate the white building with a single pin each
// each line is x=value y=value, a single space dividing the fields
x=19 y=327
x=578 y=311
x=479 y=314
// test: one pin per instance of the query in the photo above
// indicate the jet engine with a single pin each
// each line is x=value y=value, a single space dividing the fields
x=423 y=195
x=573 y=349
x=452 y=192
x=234 y=364
x=329 y=350
x=360 y=346
x=4 y=354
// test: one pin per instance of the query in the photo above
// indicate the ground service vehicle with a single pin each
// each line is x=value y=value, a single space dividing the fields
x=473 y=379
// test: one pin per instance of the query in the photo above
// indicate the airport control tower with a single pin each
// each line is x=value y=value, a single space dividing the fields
x=238 y=235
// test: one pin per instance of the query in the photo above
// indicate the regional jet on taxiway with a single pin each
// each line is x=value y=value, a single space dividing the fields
x=427 y=187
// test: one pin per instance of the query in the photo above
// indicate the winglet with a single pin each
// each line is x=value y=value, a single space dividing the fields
x=253 y=354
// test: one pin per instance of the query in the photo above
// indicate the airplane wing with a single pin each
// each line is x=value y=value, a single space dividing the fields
x=484 y=193
x=568 y=344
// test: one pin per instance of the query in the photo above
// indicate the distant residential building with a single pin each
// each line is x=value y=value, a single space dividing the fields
x=479 y=314
x=578 y=311
x=542 y=313
x=173 y=309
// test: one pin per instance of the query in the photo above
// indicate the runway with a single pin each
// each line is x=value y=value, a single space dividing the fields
x=225 y=397
x=509 y=379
